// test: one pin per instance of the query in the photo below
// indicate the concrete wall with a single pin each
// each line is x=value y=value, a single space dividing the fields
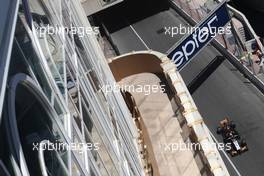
x=134 y=64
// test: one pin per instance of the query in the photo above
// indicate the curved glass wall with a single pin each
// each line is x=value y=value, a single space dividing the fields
x=31 y=121
x=28 y=48
x=61 y=101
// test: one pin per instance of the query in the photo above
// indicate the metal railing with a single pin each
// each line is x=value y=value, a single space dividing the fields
x=196 y=10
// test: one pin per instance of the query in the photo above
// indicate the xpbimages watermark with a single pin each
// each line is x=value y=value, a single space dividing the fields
x=61 y=146
x=182 y=30
x=181 y=146
x=146 y=89
x=63 y=30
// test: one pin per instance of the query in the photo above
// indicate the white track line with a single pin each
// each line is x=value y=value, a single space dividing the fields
x=227 y=157
x=133 y=29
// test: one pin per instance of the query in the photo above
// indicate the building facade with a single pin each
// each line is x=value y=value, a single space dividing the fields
x=56 y=117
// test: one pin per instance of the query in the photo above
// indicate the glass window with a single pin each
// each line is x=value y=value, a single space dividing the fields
x=30 y=54
x=54 y=164
x=35 y=125
x=50 y=36
x=103 y=151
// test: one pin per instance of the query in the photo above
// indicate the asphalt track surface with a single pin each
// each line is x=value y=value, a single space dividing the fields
x=225 y=93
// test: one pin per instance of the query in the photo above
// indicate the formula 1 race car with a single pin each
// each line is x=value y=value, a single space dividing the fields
x=231 y=137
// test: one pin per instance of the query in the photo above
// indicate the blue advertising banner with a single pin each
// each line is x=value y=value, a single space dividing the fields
x=185 y=50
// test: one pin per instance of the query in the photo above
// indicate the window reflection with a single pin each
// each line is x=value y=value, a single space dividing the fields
x=54 y=164
x=36 y=125
x=96 y=137
x=31 y=56
x=51 y=42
